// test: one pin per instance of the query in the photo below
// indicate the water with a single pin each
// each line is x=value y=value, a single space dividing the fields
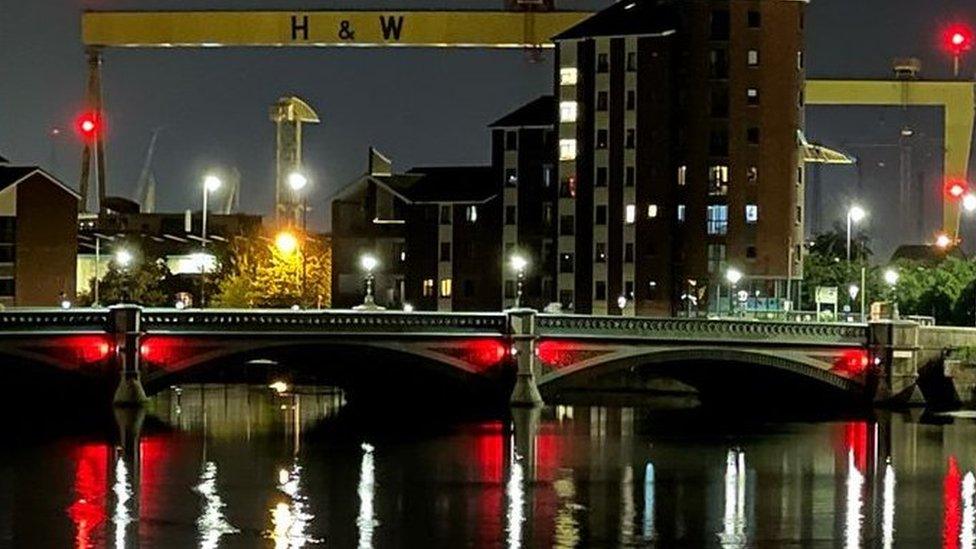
x=235 y=466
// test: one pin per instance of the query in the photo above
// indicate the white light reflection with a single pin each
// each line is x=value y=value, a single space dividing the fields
x=648 y=530
x=567 y=527
x=515 y=514
x=734 y=522
x=367 y=490
x=290 y=519
x=212 y=524
x=888 y=510
x=123 y=493
x=967 y=536
x=855 y=483
x=628 y=508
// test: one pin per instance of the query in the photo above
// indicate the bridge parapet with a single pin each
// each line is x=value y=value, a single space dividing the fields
x=54 y=320
x=690 y=329
x=330 y=321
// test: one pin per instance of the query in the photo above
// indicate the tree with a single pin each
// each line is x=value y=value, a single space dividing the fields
x=144 y=283
x=258 y=274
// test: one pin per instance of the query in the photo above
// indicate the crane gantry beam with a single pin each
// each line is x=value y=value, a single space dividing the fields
x=200 y=29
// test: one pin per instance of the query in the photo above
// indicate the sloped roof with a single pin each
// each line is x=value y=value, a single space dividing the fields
x=464 y=184
x=627 y=18
x=12 y=175
x=538 y=112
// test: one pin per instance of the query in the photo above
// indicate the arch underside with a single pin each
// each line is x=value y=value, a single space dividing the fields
x=813 y=365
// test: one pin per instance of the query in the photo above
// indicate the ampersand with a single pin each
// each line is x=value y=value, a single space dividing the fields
x=345 y=32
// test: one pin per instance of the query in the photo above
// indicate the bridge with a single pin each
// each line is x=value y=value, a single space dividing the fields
x=519 y=352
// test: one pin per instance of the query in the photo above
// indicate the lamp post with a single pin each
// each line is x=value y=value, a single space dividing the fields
x=891 y=279
x=123 y=258
x=210 y=184
x=733 y=276
x=854 y=215
x=369 y=263
x=519 y=264
x=297 y=181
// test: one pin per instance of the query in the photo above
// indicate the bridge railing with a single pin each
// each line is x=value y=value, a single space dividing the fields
x=685 y=329
x=53 y=320
x=323 y=321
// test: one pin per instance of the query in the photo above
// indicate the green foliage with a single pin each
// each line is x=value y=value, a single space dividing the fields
x=260 y=275
x=144 y=283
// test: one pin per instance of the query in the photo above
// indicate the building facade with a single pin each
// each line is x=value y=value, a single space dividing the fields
x=679 y=156
x=433 y=231
x=38 y=238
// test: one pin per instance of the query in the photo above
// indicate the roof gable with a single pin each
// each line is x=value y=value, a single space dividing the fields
x=627 y=18
x=538 y=112
x=11 y=176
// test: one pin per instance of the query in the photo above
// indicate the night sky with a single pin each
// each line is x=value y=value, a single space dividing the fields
x=421 y=107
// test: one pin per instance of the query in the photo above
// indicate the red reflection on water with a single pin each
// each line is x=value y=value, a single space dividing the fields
x=490 y=451
x=153 y=451
x=856 y=439
x=90 y=485
x=951 y=498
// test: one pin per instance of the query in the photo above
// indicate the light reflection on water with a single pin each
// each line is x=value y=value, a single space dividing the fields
x=292 y=470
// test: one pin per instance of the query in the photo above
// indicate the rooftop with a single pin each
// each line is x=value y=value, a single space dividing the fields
x=465 y=184
x=12 y=175
x=627 y=18
x=538 y=112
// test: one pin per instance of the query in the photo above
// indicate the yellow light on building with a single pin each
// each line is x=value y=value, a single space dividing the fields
x=286 y=243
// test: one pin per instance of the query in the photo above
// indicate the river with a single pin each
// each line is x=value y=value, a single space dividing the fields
x=249 y=466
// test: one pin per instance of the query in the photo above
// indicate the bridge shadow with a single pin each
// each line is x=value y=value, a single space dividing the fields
x=367 y=375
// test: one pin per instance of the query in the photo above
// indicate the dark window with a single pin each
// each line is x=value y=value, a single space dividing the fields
x=720 y=25
x=601 y=177
x=445 y=251
x=601 y=290
x=602 y=101
x=718 y=61
x=751 y=252
x=629 y=289
x=752 y=135
x=720 y=102
x=547 y=172
x=601 y=139
x=399 y=252
x=468 y=288
x=755 y=19
x=631 y=100
x=566 y=263
x=629 y=177
x=8 y=253
x=510 y=215
x=629 y=252
x=601 y=215
x=752 y=96
x=547 y=214
x=716 y=258
x=509 y=289
x=631 y=139
x=511 y=177
x=600 y=253
x=566 y=298
x=632 y=61
x=602 y=63
x=511 y=141
x=445 y=215
x=8 y=230
x=718 y=143
x=7 y=287
x=567 y=225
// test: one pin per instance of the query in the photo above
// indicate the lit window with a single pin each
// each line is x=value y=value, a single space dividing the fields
x=630 y=213
x=567 y=149
x=752 y=213
x=567 y=111
x=753 y=58
x=471 y=214
x=428 y=287
x=717 y=221
x=681 y=213
x=682 y=175
x=445 y=287
x=568 y=76
x=718 y=180
x=799 y=60
x=752 y=96
x=652 y=210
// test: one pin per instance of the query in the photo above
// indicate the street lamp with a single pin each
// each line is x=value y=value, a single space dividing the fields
x=519 y=264
x=855 y=214
x=286 y=243
x=733 y=276
x=210 y=184
x=298 y=181
x=369 y=263
x=123 y=258
x=891 y=279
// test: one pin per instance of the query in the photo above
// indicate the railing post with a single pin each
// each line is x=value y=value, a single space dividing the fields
x=126 y=325
x=521 y=332
x=894 y=344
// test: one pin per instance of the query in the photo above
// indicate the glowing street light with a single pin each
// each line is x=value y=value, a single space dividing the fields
x=733 y=276
x=891 y=277
x=943 y=241
x=286 y=243
x=297 y=181
x=969 y=202
x=519 y=264
x=369 y=263
x=123 y=257
x=855 y=214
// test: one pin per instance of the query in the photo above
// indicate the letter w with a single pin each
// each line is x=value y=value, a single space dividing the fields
x=391 y=26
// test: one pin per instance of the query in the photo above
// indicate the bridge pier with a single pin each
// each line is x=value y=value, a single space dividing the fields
x=522 y=333
x=125 y=322
x=894 y=345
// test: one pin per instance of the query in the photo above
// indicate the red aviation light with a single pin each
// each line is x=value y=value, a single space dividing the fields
x=956 y=188
x=958 y=39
